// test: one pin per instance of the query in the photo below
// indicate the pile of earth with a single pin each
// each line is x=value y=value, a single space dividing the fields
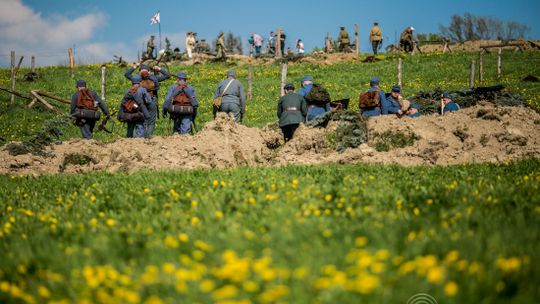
x=473 y=46
x=482 y=133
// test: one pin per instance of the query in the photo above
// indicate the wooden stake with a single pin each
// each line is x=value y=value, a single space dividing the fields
x=278 y=43
x=33 y=64
x=399 y=73
x=62 y=100
x=283 y=77
x=357 y=43
x=481 y=66
x=13 y=75
x=471 y=75
x=499 y=63
x=18 y=66
x=15 y=93
x=250 y=81
x=328 y=43
x=36 y=95
x=71 y=62
x=103 y=81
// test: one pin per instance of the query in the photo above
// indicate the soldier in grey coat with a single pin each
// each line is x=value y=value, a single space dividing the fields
x=234 y=99
x=291 y=111
x=93 y=101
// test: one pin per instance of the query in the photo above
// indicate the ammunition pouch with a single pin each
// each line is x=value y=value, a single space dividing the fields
x=181 y=109
x=86 y=114
x=131 y=117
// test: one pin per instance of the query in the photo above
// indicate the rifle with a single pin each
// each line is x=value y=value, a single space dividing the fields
x=103 y=125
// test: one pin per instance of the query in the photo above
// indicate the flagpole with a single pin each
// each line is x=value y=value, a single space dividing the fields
x=159 y=28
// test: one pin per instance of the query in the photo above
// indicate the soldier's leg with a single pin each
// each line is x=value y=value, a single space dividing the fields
x=176 y=126
x=85 y=130
x=151 y=121
x=185 y=124
x=130 y=128
x=139 y=129
x=235 y=110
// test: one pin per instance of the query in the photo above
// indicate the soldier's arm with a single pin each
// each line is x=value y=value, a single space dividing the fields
x=242 y=97
x=164 y=75
x=128 y=73
x=280 y=107
x=303 y=106
x=73 y=102
x=190 y=93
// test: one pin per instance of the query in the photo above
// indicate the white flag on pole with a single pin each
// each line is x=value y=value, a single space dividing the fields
x=154 y=19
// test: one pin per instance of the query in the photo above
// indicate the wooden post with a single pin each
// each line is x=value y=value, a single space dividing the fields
x=499 y=63
x=481 y=66
x=36 y=95
x=71 y=62
x=399 y=74
x=250 y=81
x=283 y=77
x=357 y=43
x=278 y=43
x=33 y=64
x=103 y=82
x=13 y=75
x=471 y=75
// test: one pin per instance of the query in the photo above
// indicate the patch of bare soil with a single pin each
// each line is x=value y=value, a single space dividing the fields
x=473 y=46
x=476 y=134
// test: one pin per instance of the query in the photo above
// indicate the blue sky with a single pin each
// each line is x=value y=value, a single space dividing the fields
x=102 y=28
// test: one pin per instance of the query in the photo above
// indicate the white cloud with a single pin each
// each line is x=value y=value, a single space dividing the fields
x=29 y=33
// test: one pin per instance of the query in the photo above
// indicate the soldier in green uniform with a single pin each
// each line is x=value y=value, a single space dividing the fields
x=406 y=41
x=220 y=47
x=343 y=40
x=150 y=48
x=291 y=111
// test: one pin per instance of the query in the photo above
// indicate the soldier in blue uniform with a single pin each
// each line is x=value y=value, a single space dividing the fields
x=85 y=99
x=291 y=111
x=182 y=122
x=139 y=95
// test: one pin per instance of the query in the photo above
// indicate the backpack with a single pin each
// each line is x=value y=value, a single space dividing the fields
x=149 y=85
x=369 y=99
x=85 y=100
x=130 y=106
x=181 y=103
x=318 y=95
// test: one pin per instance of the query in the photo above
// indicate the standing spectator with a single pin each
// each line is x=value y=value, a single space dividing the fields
x=233 y=97
x=291 y=111
x=272 y=43
x=282 y=38
x=257 y=42
x=190 y=44
x=86 y=100
x=406 y=40
x=343 y=40
x=300 y=47
x=220 y=47
x=375 y=36
x=150 y=48
x=182 y=94
x=150 y=82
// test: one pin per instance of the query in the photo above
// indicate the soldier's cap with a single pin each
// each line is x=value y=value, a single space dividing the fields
x=342 y=27
x=374 y=80
x=144 y=67
x=152 y=36
x=182 y=75
x=306 y=78
x=411 y=28
x=396 y=88
x=144 y=73
x=136 y=79
x=231 y=73
x=375 y=23
x=445 y=95
x=289 y=86
x=81 y=84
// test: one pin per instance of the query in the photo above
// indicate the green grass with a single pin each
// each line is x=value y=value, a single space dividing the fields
x=343 y=80
x=321 y=234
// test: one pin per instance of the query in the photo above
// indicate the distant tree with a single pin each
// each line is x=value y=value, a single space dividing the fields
x=470 y=27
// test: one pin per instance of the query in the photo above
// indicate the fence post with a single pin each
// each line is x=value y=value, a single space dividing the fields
x=471 y=75
x=103 y=82
x=499 y=63
x=481 y=66
x=399 y=74
x=357 y=43
x=328 y=43
x=278 y=43
x=71 y=62
x=33 y=64
x=12 y=75
x=283 y=77
x=250 y=82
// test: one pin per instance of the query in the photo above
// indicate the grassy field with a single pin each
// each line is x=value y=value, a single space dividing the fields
x=324 y=234
x=343 y=80
x=294 y=234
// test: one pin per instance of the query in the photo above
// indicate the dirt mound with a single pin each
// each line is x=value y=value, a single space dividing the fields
x=473 y=46
x=477 y=134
